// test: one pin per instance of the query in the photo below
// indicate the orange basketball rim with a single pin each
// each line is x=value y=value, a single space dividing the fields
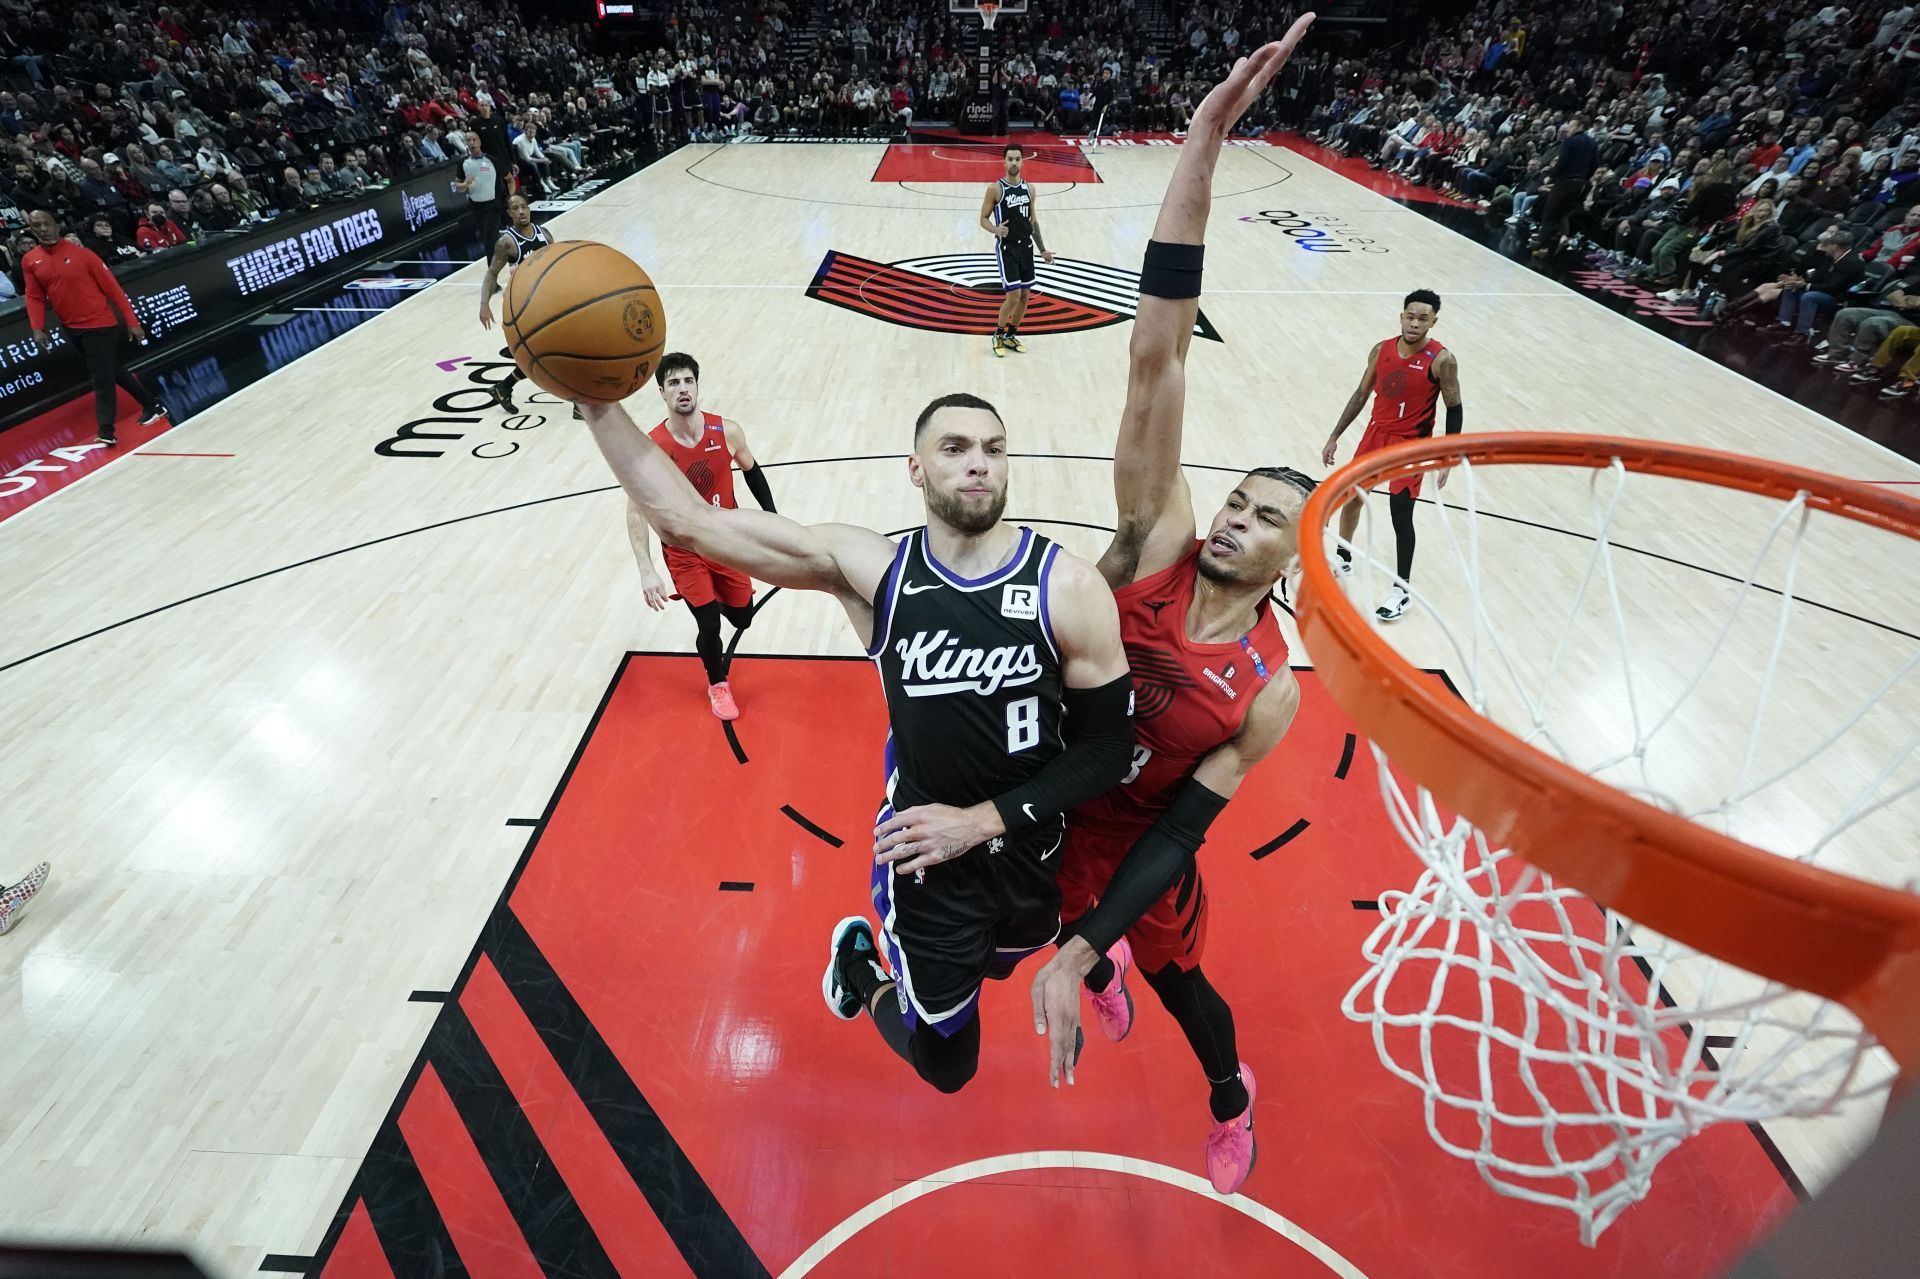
x=1844 y=939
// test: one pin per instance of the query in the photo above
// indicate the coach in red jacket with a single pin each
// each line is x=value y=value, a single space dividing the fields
x=93 y=309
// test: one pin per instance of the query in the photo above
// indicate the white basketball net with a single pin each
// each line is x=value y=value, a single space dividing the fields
x=1559 y=1047
x=989 y=13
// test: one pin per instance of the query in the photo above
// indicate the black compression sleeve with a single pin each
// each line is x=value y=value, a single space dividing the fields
x=1172 y=270
x=1454 y=413
x=757 y=485
x=1099 y=728
x=1152 y=865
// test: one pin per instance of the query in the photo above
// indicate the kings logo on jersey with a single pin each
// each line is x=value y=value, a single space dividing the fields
x=935 y=665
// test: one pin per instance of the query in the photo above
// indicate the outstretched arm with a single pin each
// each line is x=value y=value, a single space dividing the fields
x=1155 y=524
x=841 y=559
x=1153 y=865
x=1355 y=402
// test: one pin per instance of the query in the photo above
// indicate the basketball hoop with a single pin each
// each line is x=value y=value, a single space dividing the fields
x=1604 y=933
x=989 y=11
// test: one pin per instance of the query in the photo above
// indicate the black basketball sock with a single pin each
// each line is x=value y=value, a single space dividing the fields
x=1207 y=1022
x=864 y=981
x=945 y=1061
x=706 y=642
x=1229 y=1098
x=1400 y=505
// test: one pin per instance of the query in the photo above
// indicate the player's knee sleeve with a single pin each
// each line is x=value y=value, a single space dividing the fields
x=738 y=616
x=1176 y=986
x=1400 y=505
x=947 y=1062
x=707 y=618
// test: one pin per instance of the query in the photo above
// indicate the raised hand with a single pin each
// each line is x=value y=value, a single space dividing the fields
x=1222 y=108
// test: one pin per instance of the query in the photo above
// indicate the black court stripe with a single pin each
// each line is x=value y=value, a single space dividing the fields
x=733 y=740
x=549 y=1218
x=1281 y=840
x=1346 y=758
x=369 y=1179
x=405 y=1219
x=736 y=885
x=279 y=1263
x=708 y=1240
x=810 y=828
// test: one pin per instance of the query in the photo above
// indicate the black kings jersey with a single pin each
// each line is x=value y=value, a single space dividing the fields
x=1013 y=210
x=971 y=674
x=525 y=246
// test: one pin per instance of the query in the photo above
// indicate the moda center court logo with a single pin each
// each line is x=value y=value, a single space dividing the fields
x=961 y=293
x=1317 y=232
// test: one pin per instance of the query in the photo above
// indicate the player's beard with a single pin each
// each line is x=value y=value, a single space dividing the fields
x=1215 y=572
x=970 y=520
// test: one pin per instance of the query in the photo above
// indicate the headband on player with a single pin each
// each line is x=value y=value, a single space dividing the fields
x=1172 y=270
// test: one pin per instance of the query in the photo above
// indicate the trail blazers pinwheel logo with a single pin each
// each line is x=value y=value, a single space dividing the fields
x=960 y=293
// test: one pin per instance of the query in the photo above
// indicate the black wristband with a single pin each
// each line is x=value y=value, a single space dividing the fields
x=1154 y=864
x=1172 y=270
x=1099 y=750
x=757 y=485
x=1455 y=412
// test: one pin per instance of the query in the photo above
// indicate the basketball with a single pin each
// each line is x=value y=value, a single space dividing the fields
x=584 y=322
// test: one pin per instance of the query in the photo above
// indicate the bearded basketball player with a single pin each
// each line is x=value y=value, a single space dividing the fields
x=1404 y=375
x=1007 y=213
x=1008 y=703
x=705 y=447
x=1213 y=691
x=516 y=245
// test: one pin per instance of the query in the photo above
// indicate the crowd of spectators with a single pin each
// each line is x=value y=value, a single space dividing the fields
x=1756 y=161
x=143 y=127
x=879 y=66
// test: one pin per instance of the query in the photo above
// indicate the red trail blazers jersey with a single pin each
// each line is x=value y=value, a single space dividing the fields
x=1188 y=697
x=707 y=463
x=1404 y=392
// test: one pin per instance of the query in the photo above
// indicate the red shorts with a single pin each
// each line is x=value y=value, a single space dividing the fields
x=698 y=580
x=1376 y=439
x=1174 y=929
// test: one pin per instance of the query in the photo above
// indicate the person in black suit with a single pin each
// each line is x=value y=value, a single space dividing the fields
x=1567 y=190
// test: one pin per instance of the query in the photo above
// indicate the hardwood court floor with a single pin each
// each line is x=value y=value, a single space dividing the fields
x=270 y=715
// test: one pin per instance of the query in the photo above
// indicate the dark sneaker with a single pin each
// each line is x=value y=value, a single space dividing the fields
x=852 y=946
